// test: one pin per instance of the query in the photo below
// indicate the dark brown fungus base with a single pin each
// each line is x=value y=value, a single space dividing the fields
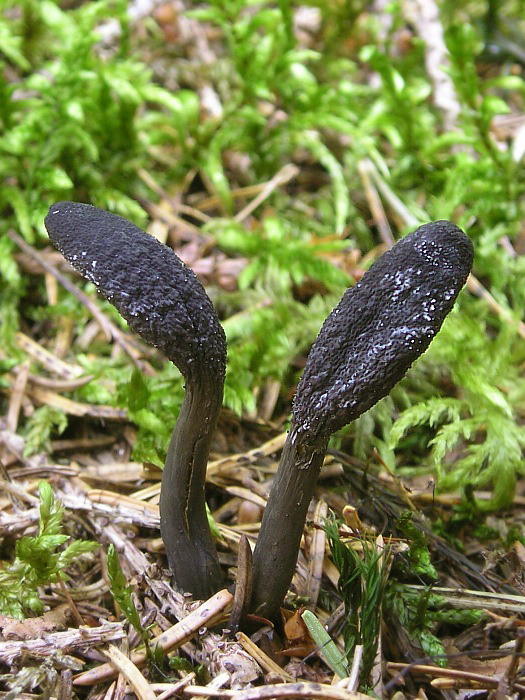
x=366 y=345
x=162 y=301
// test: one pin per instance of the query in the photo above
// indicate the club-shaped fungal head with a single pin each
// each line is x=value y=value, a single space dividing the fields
x=160 y=298
x=380 y=327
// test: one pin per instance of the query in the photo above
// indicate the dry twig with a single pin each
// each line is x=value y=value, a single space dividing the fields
x=206 y=615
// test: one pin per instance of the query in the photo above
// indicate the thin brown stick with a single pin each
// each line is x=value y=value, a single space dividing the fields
x=438 y=672
x=506 y=682
x=316 y=555
x=48 y=360
x=375 y=204
x=131 y=673
x=243 y=585
x=76 y=408
x=177 y=206
x=281 y=690
x=170 y=218
x=74 y=640
x=74 y=610
x=285 y=174
x=470 y=599
x=173 y=688
x=353 y=678
x=17 y=394
x=264 y=661
x=475 y=286
x=57 y=385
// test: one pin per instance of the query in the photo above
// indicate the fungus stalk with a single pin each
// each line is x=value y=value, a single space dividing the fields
x=183 y=520
x=366 y=345
x=162 y=301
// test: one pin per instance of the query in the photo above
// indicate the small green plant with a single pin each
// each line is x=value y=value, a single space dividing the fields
x=122 y=593
x=363 y=583
x=44 y=421
x=419 y=615
x=371 y=592
x=416 y=561
x=493 y=389
x=39 y=560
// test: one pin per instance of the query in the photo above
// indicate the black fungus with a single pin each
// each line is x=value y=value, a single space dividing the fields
x=161 y=299
x=366 y=345
x=380 y=326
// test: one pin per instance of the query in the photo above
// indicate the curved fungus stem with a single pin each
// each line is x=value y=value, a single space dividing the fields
x=162 y=301
x=366 y=345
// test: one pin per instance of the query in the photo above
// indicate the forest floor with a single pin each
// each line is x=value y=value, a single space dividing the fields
x=435 y=608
